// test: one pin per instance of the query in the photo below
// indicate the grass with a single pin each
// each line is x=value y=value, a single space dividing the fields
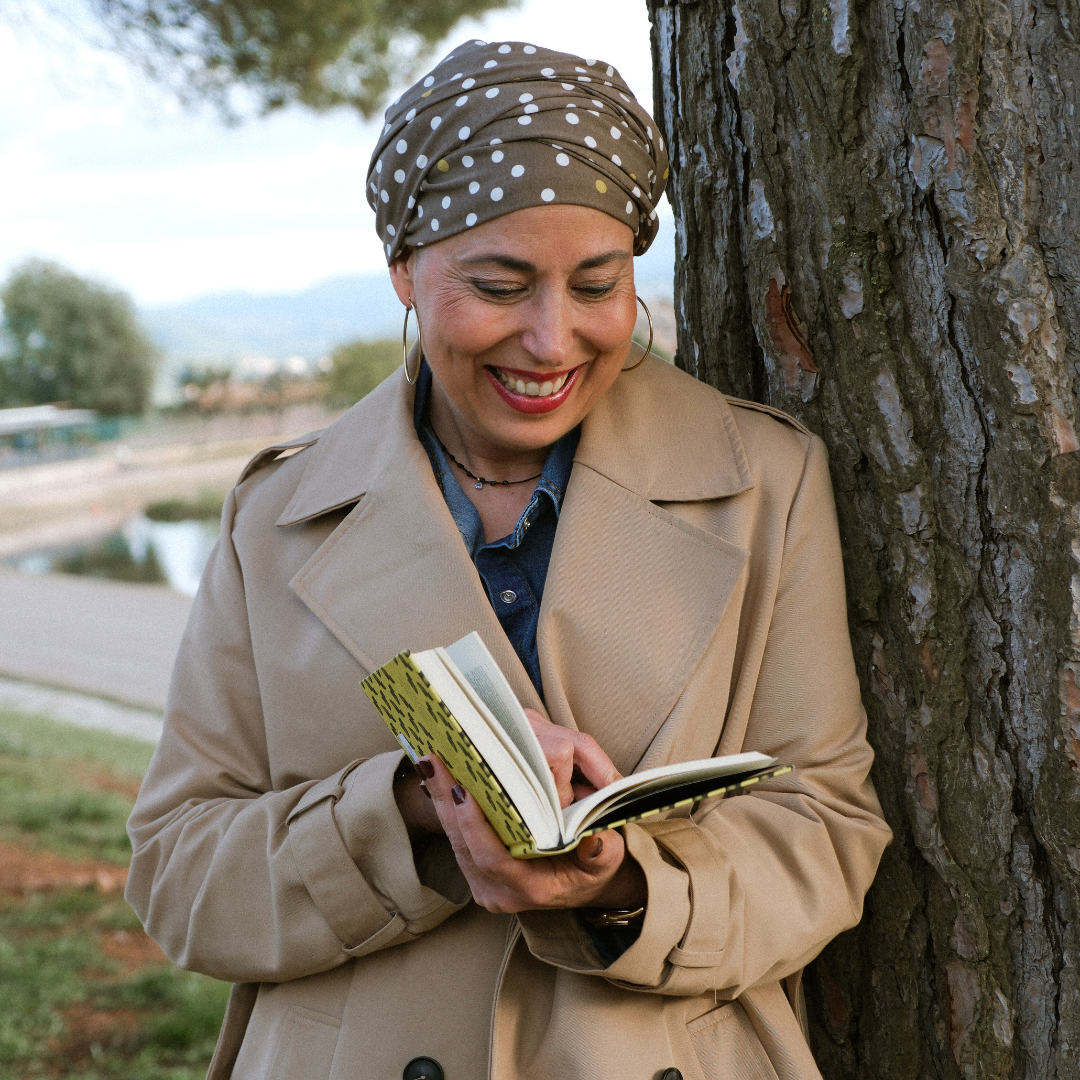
x=83 y=993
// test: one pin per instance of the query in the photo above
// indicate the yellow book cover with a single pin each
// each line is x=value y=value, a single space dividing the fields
x=490 y=749
x=422 y=723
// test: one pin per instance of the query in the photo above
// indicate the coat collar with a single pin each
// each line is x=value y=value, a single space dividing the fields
x=634 y=593
x=666 y=437
x=693 y=446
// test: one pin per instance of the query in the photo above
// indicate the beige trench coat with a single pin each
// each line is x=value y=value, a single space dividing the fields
x=694 y=605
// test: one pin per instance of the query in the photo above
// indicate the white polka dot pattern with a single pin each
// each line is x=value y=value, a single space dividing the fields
x=556 y=128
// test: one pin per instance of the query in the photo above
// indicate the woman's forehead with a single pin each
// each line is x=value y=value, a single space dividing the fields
x=541 y=237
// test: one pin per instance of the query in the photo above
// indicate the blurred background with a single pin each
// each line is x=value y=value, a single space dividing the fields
x=188 y=272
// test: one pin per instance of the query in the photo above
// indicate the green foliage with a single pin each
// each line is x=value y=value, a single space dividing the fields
x=73 y=340
x=207 y=507
x=320 y=53
x=357 y=368
x=39 y=976
x=112 y=559
x=53 y=971
x=38 y=805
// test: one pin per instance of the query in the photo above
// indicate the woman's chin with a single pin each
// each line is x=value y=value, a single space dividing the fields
x=534 y=404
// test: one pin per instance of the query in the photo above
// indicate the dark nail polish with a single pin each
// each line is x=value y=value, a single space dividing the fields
x=425 y=769
x=424 y=789
x=457 y=793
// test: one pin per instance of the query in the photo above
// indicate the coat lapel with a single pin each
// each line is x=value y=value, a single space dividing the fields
x=395 y=574
x=634 y=593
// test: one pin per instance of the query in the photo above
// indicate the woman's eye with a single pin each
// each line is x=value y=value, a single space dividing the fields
x=502 y=290
x=595 y=289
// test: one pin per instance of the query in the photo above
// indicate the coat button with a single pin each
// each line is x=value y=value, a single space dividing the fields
x=425 y=1068
x=508 y=596
x=670 y=1074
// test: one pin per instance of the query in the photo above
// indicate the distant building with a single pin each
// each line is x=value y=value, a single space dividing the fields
x=41 y=432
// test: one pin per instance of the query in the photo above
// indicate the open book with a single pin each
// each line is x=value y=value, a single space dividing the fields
x=456 y=703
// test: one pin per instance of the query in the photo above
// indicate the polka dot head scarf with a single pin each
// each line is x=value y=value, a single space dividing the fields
x=503 y=126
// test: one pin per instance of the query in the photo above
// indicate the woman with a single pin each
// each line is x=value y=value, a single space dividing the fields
x=656 y=569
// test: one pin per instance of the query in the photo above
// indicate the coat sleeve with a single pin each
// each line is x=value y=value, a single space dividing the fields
x=750 y=889
x=250 y=884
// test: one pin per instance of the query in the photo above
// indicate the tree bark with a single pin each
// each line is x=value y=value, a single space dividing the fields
x=878 y=230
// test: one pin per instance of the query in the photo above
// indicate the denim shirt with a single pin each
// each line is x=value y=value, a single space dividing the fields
x=514 y=568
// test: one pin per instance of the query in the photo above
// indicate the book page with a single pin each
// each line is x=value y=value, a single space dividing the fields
x=578 y=815
x=496 y=729
x=503 y=761
x=473 y=660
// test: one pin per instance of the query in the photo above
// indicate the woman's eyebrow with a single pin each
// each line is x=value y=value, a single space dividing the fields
x=505 y=261
x=508 y=262
x=603 y=260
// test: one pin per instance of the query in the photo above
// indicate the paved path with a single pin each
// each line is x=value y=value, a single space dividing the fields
x=108 y=639
x=79 y=709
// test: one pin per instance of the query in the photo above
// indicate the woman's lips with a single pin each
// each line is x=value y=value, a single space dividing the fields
x=530 y=392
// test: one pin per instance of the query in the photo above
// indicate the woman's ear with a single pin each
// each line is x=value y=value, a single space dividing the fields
x=402 y=279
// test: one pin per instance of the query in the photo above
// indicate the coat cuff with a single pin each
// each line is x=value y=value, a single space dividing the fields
x=559 y=938
x=355 y=859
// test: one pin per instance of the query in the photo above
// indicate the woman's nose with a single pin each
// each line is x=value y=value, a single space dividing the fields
x=550 y=334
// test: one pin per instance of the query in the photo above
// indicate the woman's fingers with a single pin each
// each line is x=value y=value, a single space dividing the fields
x=591 y=761
x=502 y=883
x=576 y=760
x=440 y=786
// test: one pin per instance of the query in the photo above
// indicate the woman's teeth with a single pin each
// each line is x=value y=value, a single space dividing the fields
x=531 y=389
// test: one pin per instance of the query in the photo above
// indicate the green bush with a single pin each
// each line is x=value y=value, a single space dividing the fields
x=207 y=507
x=112 y=559
x=357 y=368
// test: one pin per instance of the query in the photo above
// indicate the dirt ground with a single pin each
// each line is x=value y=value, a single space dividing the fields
x=23 y=871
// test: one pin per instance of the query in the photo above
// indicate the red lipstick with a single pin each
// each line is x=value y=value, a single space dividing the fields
x=524 y=403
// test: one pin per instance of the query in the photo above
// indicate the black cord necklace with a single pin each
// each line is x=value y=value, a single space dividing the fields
x=480 y=480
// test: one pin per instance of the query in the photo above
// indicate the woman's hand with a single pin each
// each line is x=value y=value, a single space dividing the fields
x=576 y=760
x=596 y=874
x=415 y=806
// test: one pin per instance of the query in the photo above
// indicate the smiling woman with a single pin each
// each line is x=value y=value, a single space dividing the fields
x=655 y=568
x=530 y=319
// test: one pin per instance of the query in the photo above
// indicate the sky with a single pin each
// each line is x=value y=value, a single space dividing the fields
x=104 y=173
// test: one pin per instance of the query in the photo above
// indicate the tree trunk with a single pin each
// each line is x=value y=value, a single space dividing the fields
x=878 y=219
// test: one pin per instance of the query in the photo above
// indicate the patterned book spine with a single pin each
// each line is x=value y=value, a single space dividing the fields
x=419 y=719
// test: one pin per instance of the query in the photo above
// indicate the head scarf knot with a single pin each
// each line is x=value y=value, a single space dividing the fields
x=504 y=126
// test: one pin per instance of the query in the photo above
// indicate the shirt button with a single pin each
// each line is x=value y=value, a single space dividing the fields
x=508 y=596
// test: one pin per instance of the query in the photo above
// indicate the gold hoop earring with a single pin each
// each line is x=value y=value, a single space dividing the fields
x=648 y=348
x=411 y=379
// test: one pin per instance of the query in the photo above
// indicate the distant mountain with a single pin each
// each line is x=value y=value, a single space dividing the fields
x=227 y=328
